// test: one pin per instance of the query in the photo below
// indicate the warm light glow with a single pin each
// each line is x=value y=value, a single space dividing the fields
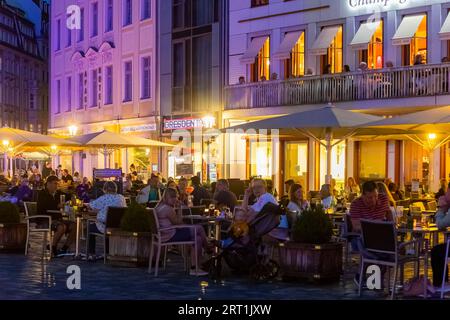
x=73 y=129
x=208 y=121
x=432 y=136
x=5 y=143
x=147 y=151
x=53 y=147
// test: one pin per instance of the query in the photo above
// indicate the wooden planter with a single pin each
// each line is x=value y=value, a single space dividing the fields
x=314 y=262
x=129 y=249
x=13 y=237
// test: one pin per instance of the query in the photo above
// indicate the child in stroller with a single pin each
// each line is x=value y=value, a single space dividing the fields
x=243 y=251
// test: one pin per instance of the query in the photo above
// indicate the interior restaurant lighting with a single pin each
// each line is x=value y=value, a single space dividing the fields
x=5 y=143
x=432 y=136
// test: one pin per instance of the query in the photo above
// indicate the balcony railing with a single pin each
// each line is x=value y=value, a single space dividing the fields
x=405 y=82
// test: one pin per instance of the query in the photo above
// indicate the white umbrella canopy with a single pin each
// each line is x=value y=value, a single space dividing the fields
x=107 y=142
x=115 y=140
x=325 y=123
x=18 y=138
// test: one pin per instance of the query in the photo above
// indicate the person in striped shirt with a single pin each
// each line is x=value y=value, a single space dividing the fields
x=370 y=205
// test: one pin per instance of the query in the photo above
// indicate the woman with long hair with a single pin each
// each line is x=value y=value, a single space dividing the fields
x=168 y=217
x=297 y=203
x=383 y=189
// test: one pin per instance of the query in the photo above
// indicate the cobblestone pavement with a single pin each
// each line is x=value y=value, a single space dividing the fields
x=32 y=277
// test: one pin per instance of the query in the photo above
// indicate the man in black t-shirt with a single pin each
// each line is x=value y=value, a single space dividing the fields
x=223 y=196
x=50 y=199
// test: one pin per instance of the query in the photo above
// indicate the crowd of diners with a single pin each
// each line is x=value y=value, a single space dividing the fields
x=372 y=200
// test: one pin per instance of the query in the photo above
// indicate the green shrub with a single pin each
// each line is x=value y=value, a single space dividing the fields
x=313 y=226
x=136 y=219
x=9 y=213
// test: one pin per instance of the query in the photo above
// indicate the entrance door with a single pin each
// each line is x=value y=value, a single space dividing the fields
x=296 y=163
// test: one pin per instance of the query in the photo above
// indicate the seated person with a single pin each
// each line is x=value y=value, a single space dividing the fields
x=152 y=192
x=258 y=189
x=37 y=182
x=223 y=196
x=182 y=191
x=396 y=194
x=444 y=201
x=83 y=190
x=199 y=193
x=167 y=217
x=110 y=198
x=372 y=206
x=49 y=199
x=326 y=196
x=442 y=189
x=14 y=186
x=297 y=202
x=24 y=193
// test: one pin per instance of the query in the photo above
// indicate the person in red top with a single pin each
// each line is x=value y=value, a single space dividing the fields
x=370 y=205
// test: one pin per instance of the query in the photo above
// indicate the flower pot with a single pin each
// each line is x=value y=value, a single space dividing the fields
x=13 y=237
x=129 y=249
x=309 y=261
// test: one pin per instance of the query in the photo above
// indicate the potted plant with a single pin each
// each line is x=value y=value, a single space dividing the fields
x=130 y=245
x=311 y=254
x=13 y=234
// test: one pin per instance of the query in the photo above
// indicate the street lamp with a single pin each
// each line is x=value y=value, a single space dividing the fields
x=73 y=129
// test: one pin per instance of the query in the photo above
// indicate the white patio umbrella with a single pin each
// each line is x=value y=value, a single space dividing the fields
x=325 y=123
x=107 y=142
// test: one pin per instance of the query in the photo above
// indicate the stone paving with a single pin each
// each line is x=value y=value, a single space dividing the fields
x=25 y=278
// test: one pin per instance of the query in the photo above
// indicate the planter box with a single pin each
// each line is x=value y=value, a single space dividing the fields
x=129 y=249
x=308 y=261
x=13 y=237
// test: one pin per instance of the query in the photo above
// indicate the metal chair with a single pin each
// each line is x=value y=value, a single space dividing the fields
x=380 y=239
x=33 y=226
x=113 y=220
x=156 y=242
x=152 y=204
x=447 y=261
x=347 y=235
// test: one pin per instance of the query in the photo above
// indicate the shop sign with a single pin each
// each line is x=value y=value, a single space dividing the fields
x=187 y=123
x=140 y=128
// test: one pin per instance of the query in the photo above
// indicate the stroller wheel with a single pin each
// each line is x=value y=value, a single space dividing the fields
x=273 y=268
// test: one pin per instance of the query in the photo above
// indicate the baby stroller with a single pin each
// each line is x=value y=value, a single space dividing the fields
x=247 y=254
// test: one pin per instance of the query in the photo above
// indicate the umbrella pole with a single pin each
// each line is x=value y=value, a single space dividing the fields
x=329 y=146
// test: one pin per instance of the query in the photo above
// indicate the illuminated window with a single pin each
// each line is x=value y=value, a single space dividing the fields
x=373 y=55
x=295 y=66
x=296 y=163
x=372 y=159
x=334 y=56
x=261 y=159
x=418 y=45
x=261 y=67
x=338 y=160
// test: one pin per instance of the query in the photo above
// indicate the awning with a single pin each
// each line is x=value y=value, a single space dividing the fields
x=364 y=34
x=289 y=41
x=407 y=29
x=324 y=40
x=445 y=30
x=253 y=49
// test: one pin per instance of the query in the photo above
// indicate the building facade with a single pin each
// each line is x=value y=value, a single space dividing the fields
x=103 y=76
x=23 y=66
x=288 y=56
x=192 y=59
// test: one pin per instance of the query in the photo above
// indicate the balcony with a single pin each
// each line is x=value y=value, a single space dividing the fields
x=393 y=83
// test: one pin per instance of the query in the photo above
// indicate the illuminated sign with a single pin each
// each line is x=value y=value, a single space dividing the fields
x=188 y=123
x=370 y=3
x=141 y=128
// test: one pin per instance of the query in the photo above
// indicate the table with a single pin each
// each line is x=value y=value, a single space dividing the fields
x=433 y=231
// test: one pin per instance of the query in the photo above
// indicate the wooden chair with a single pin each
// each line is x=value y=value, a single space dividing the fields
x=158 y=244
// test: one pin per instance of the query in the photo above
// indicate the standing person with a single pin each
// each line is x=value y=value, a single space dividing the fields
x=49 y=199
x=199 y=192
x=46 y=171
x=110 y=198
x=223 y=196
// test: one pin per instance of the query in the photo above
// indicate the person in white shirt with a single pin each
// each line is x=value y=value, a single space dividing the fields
x=110 y=199
x=258 y=188
x=327 y=197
